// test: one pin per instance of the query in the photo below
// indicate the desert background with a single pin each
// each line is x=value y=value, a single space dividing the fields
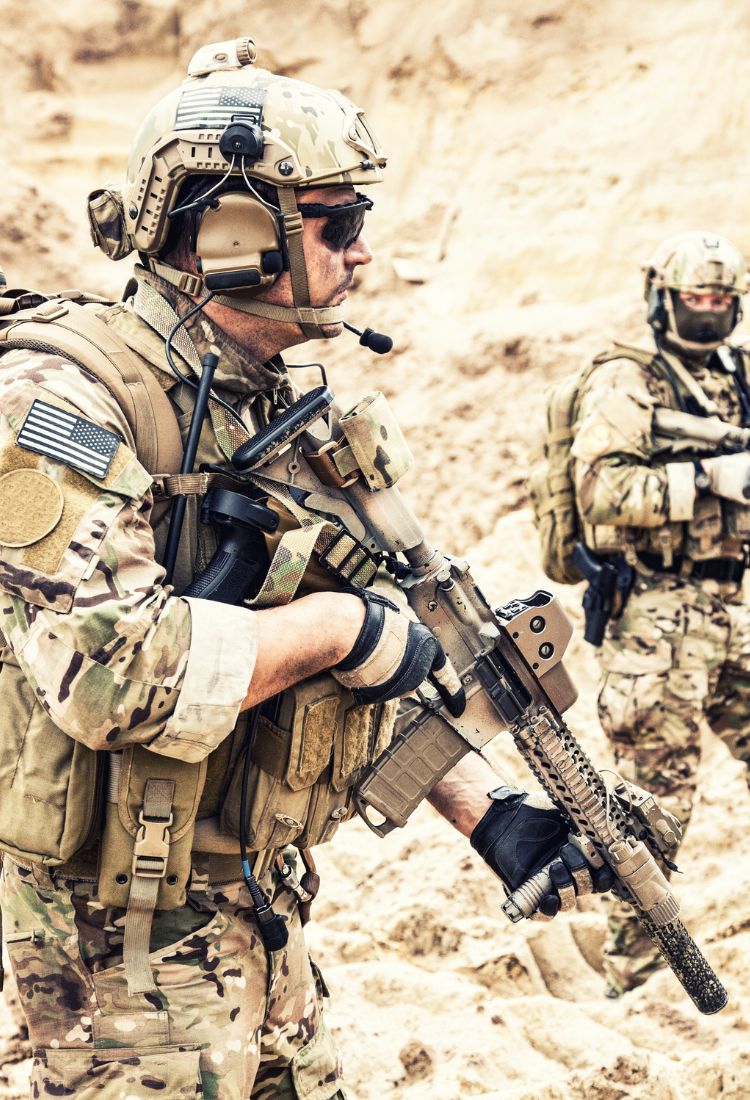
x=539 y=150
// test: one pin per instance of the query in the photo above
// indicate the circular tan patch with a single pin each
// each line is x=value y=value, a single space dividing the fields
x=31 y=504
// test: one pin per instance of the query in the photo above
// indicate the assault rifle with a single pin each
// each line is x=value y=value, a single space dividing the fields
x=510 y=663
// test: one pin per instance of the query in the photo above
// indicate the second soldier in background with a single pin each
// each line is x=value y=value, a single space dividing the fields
x=679 y=654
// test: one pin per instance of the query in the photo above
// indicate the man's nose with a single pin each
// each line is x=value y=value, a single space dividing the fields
x=358 y=252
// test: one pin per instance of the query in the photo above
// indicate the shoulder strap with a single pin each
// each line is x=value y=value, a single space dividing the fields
x=689 y=384
x=65 y=327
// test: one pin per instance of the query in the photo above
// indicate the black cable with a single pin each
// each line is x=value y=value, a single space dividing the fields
x=202 y=200
x=186 y=377
x=304 y=366
x=173 y=332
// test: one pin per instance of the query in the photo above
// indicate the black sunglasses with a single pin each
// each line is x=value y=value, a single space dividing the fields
x=343 y=223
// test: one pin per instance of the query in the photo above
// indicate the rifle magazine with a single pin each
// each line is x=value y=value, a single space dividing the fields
x=408 y=769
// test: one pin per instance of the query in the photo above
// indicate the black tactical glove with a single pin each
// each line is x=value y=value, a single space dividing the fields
x=393 y=655
x=517 y=838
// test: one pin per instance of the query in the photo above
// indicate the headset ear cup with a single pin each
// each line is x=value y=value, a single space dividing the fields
x=657 y=313
x=238 y=244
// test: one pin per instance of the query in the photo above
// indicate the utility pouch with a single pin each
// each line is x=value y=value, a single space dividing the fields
x=49 y=783
x=107 y=223
x=376 y=441
x=305 y=759
x=131 y=842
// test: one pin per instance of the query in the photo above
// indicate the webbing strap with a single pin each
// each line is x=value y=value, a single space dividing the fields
x=679 y=370
x=188 y=485
x=150 y=856
x=292 y=220
x=288 y=566
x=183 y=280
x=338 y=551
x=299 y=315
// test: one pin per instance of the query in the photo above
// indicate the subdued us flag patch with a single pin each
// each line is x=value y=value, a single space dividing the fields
x=70 y=439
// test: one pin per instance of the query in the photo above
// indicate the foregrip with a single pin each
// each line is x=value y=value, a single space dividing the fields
x=405 y=773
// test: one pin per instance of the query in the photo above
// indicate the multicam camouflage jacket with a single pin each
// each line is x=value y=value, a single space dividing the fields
x=97 y=654
x=626 y=491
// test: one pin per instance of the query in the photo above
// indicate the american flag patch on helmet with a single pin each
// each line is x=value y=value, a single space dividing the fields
x=70 y=439
x=215 y=107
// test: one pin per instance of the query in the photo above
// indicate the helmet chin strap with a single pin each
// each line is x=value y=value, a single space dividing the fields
x=311 y=319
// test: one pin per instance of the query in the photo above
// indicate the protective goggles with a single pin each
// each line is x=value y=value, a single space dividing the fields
x=343 y=223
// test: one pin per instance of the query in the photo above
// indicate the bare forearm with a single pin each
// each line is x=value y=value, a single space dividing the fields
x=461 y=796
x=301 y=639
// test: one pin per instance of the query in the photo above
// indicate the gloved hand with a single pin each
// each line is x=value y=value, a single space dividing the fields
x=730 y=476
x=393 y=655
x=520 y=834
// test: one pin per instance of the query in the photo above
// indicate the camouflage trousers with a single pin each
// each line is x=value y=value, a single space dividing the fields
x=679 y=657
x=223 y=1024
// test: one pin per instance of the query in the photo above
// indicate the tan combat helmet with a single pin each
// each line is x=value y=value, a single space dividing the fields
x=232 y=122
x=695 y=262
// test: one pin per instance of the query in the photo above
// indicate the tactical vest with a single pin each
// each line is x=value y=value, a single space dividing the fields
x=552 y=488
x=312 y=743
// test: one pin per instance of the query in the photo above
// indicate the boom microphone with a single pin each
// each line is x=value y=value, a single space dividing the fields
x=375 y=341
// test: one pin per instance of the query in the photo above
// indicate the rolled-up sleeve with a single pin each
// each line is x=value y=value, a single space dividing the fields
x=215 y=683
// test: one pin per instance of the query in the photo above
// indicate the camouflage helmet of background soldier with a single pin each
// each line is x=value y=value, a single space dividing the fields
x=697 y=263
x=248 y=139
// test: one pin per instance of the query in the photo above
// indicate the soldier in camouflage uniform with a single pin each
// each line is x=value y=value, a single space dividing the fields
x=679 y=655
x=136 y=945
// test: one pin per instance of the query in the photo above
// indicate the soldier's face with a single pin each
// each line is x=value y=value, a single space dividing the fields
x=330 y=270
